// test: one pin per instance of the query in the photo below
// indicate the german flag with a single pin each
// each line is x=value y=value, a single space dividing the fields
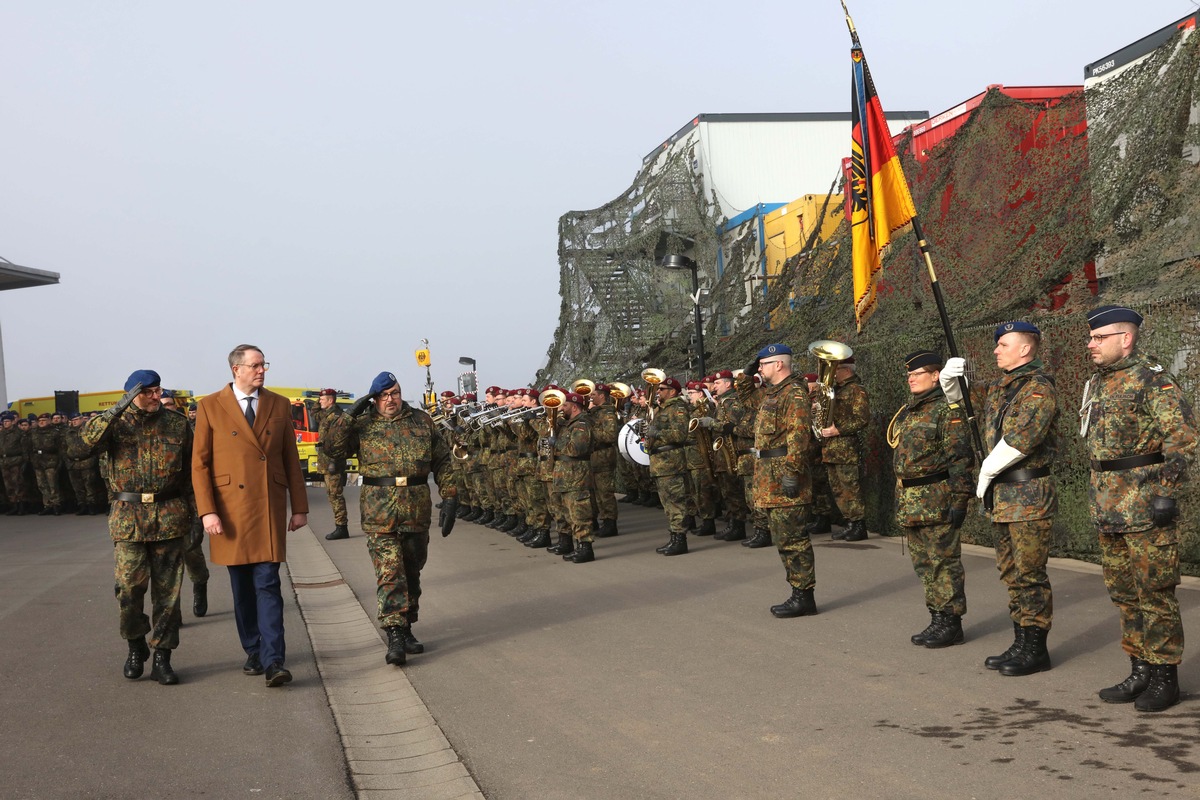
x=880 y=199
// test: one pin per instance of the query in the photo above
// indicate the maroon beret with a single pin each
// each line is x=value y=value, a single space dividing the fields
x=671 y=383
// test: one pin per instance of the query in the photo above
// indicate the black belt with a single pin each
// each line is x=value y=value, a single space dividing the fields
x=145 y=498
x=744 y=451
x=1128 y=462
x=526 y=455
x=657 y=450
x=574 y=458
x=925 y=480
x=1021 y=475
x=774 y=452
x=398 y=480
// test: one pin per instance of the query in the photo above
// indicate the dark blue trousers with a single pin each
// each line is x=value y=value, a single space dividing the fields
x=258 y=610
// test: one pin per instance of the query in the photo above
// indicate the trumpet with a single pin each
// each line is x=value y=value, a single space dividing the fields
x=829 y=354
x=653 y=377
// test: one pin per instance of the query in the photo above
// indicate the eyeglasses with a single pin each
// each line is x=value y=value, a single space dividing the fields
x=1100 y=337
x=153 y=391
x=264 y=366
x=762 y=364
x=395 y=393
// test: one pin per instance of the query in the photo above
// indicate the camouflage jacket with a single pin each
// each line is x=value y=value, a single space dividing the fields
x=78 y=454
x=727 y=408
x=526 y=437
x=605 y=426
x=410 y=445
x=545 y=461
x=851 y=414
x=14 y=447
x=783 y=421
x=930 y=437
x=45 y=446
x=750 y=397
x=146 y=452
x=1022 y=408
x=668 y=430
x=504 y=446
x=1135 y=407
x=322 y=417
x=572 y=455
x=699 y=450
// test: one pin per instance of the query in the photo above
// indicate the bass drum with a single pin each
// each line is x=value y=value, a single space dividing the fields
x=631 y=444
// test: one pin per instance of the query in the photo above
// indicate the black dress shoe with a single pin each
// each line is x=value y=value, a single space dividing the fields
x=253 y=666
x=277 y=675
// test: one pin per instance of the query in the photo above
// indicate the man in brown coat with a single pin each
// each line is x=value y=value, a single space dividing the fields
x=244 y=468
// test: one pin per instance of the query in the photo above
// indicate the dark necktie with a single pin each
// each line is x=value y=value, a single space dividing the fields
x=250 y=411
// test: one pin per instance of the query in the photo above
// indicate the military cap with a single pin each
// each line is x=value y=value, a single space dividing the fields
x=601 y=387
x=1109 y=315
x=44 y=415
x=491 y=390
x=1017 y=326
x=723 y=375
x=148 y=378
x=168 y=392
x=23 y=421
x=447 y=393
x=74 y=415
x=695 y=386
x=469 y=397
x=328 y=393
x=811 y=377
x=775 y=350
x=671 y=383
x=575 y=398
x=849 y=360
x=384 y=380
x=922 y=358
x=191 y=406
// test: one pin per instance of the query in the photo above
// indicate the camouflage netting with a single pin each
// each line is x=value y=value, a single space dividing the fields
x=1035 y=211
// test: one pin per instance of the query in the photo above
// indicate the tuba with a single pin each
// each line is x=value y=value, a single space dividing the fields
x=619 y=391
x=829 y=354
x=583 y=387
x=653 y=377
x=551 y=400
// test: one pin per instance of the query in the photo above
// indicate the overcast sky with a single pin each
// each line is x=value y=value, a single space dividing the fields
x=336 y=181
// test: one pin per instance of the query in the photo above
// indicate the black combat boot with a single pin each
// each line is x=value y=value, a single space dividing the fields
x=22 y=509
x=708 y=527
x=487 y=516
x=947 y=631
x=583 y=553
x=462 y=512
x=819 y=524
x=520 y=529
x=569 y=553
x=1163 y=690
x=649 y=500
x=161 y=669
x=800 y=604
x=473 y=514
x=994 y=662
x=395 y=651
x=689 y=523
x=338 y=532
x=856 y=531
x=608 y=529
x=677 y=546
x=630 y=497
x=737 y=531
x=919 y=638
x=411 y=646
x=529 y=535
x=1132 y=687
x=139 y=653
x=542 y=539
x=84 y=510
x=509 y=524
x=761 y=538
x=45 y=511
x=199 y=599
x=1033 y=656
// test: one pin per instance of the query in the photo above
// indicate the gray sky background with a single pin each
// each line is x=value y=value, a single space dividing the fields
x=335 y=182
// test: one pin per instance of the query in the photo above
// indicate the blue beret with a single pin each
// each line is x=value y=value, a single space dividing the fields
x=74 y=415
x=168 y=393
x=384 y=380
x=146 y=377
x=1017 y=326
x=1108 y=315
x=922 y=358
x=775 y=350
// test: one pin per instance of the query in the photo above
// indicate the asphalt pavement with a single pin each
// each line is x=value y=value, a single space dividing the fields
x=634 y=676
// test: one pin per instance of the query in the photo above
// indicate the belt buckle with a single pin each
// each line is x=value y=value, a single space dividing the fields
x=402 y=480
x=147 y=497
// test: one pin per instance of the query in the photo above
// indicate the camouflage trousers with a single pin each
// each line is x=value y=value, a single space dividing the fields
x=1022 y=549
x=14 y=483
x=795 y=548
x=845 y=488
x=47 y=484
x=480 y=489
x=704 y=494
x=193 y=553
x=626 y=477
x=604 y=478
x=1141 y=571
x=157 y=566
x=335 y=485
x=675 y=492
x=758 y=516
x=537 y=511
x=554 y=508
x=86 y=484
x=936 y=552
x=398 y=559
x=577 y=513
x=646 y=485
x=733 y=495
x=498 y=479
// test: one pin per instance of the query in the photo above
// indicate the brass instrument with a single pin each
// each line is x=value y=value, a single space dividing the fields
x=724 y=446
x=703 y=439
x=551 y=400
x=653 y=377
x=583 y=387
x=620 y=391
x=829 y=354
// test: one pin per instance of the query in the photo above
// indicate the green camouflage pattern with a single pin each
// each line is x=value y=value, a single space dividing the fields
x=573 y=475
x=1022 y=550
x=391 y=584
x=669 y=429
x=851 y=415
x=146 y=452
x=931 y=437
x=322 y=419
x=786 y=524
x=675 y=492
x=45 y=446
x=1030 y=425
x=783 y=421
x=936 y=552
x=1141 y=571
x=153 y=565
x=408 y=444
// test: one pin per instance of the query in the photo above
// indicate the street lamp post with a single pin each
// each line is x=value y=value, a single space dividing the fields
x=683 y=262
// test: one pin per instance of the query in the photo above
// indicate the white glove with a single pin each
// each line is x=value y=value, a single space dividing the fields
x=955 y=368
x=1001 y=458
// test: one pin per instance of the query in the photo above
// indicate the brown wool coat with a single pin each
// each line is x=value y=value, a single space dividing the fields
x=246 y=476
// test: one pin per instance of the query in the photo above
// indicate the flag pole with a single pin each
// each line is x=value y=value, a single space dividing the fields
x=923 y=246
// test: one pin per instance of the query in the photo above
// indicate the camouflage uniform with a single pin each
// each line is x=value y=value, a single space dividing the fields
x=931 y=439
x=81 y=465
x=14 y=455
x=573 y=475
x=45 y=446
x=147 y=453
x=531 y=489
x=1022 y=408
x=729 y=482
x=782 y=439
x=842 y=454
x=744 y=419
x=396 y=518
x=700 y=466
x=334 y=469
x=604 y=424
x=1137 y=409
x=666 y=438
x=545 y=474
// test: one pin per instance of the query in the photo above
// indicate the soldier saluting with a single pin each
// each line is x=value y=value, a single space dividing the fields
x=1141 y=435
